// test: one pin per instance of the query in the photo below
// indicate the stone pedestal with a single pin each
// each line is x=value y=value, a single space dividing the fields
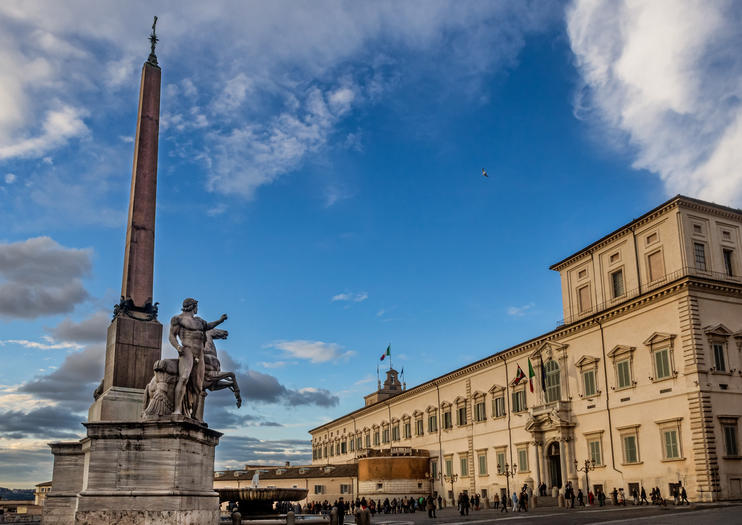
x=67 y=476
x=132 y=347
x=138 y=473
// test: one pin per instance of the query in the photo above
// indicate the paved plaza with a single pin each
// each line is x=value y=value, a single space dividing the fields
x=697 y=514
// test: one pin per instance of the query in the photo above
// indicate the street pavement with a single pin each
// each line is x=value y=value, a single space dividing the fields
x=718 y=514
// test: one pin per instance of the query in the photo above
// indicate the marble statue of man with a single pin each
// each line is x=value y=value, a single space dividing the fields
x=191 y=331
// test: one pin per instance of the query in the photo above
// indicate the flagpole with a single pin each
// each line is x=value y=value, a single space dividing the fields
x=390 y=356
x=378 y=379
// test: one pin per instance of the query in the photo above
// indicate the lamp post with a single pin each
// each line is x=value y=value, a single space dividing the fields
x=509 y=472
x=589 y=464
x=431 y=479
x=451 y=478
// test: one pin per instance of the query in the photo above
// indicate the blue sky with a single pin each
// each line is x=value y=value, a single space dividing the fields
x=320 y=182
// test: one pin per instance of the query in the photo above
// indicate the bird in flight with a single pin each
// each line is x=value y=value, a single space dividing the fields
x=485 y=173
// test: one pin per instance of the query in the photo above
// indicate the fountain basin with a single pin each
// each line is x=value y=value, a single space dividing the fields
x=259 y=500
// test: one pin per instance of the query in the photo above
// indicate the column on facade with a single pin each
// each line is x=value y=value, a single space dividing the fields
x=571 y=468
x=563 y=459
x=542 y=462
x=536 y=463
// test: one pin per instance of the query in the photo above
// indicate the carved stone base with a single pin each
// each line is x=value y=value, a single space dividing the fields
x=117 y=404
x=142 y=473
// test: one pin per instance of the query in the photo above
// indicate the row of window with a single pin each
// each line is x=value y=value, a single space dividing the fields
x=670 y=444
x=655 y=270
x=629 y=436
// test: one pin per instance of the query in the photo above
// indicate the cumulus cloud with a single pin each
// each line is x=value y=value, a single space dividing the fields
x=265 y=103
x=90 y=330
x=265 y=388
x=351 y=297
x=236 y=451
x=59 y=126
x=50 y=344
x=46 y=422
x=41 y=277
x=314 y=351
x=72 y=384
x=665 y=77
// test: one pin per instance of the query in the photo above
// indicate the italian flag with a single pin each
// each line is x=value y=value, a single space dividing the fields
x=388 y=352
x=520 y=376
x=531 y=375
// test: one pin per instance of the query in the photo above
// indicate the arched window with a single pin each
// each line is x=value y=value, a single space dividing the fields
x=553 y=386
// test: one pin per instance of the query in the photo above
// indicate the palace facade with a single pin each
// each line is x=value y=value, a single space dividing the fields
x=642 y=379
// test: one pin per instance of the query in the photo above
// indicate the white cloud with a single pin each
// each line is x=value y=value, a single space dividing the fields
x=58 y=127
x=276 y=364
x=63 y=345
x=267 y=99
x=10 y=178
x=313 y=351
x=350 y=297
x=666 y=77
x=519 y=311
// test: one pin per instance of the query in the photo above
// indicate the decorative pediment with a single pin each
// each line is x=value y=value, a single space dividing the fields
x=417 y=413
x=659 y=338
x=496 y=389
x=546 y=421
x=445 y=404
x=550 y=350
x=586 y=361
x=395 y=419
x=431 y=408
x=459 y=400
x=478 y=393
x=620 y=350
x=718 y=330
x=405 y=416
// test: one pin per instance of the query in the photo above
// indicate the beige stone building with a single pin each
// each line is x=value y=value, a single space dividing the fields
x=642 y=376
x=40 y=493
x=326 y=482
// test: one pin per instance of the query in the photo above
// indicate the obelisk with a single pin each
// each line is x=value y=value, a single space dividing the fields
x=135 y=336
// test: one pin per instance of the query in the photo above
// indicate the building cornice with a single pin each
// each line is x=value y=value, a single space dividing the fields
x=677 y=201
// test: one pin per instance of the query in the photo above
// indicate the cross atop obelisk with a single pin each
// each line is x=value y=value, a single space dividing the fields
x=135 y=336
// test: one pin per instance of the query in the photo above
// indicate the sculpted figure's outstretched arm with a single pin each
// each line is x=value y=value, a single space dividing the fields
x=173 y=333
x=214 y=324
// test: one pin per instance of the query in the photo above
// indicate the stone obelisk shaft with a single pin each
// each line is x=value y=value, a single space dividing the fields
x=140 y=232
x=135 y=336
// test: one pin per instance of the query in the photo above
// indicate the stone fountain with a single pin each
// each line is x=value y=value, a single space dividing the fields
x=258 y=501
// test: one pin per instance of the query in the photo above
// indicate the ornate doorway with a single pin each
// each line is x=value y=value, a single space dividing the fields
x=555 y=465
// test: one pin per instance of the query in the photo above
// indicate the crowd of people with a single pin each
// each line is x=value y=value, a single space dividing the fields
x=518 y=502
x=403 y=505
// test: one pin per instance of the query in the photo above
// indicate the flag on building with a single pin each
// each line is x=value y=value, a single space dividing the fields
x=531 y=375
x=543 y=375
x=520 y=376
x=388 y=352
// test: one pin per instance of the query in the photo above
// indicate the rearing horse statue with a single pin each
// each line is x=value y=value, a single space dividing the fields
x=214 y=378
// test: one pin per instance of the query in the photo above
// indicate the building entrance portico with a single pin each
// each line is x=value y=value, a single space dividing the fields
x=551 y=429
